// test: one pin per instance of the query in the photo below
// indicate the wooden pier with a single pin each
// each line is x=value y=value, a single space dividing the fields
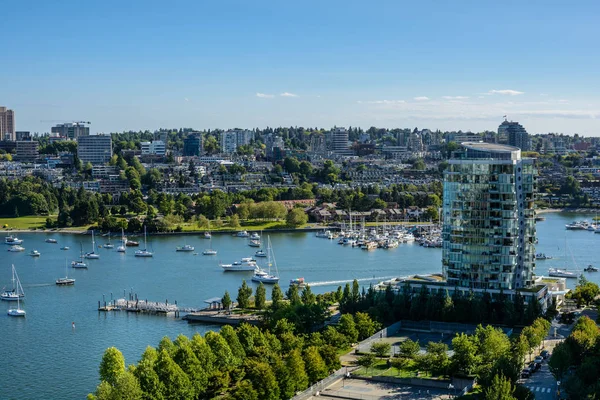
x=140 y=306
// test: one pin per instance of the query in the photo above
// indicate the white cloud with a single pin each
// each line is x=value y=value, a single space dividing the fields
x=421 y=98
x=286 y=94
x=508 y=92
x=455 y=97
x=265 y=96
x=381 y=102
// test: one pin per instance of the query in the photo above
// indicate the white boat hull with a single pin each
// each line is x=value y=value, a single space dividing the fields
x=209 y=252
x=16 y=312
x=237 y=268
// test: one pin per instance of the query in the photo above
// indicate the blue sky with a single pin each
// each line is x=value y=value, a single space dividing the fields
x=220 y=64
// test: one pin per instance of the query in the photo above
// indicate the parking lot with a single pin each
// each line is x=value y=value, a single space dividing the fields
x=367 y=390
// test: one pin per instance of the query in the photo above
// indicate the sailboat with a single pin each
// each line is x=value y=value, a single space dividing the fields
x=17 y=290
x=108 y=245
x=209 y=251
x=563 y=273
x=185 y=247
x=263 y=276
x=16 y=312
x=66 y=281
x=122 y=248
x=80 y=263
x=92 y=254
x=144 y=252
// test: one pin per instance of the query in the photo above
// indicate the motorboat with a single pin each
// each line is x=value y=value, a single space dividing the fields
x=92 y=255
x=577 y=226
x=246 y=264
x=34 y=253
x=561 y=273
x=144 y=252
x=297 y=282
x=371 y=245
x=16 y=292
x=590 y=268
x=260 y=275
x=592 y=227
x=323 y=234
x=254 y=243
x=242 y=234
x=260 y=253
x=16 y=248
x=209 y=252
x=132 y=243
x=207 y=235
x=51 y=241
x=542 y=256
x=185 y=247
x=66 y=281
x=11 y=240
x=65 y=248
x=255 y=236
x=264 y=277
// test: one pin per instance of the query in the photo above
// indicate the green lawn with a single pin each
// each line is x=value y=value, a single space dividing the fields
x=24 y=222
x=245 y=225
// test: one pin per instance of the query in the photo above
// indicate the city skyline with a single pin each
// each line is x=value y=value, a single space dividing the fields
x=139 y=66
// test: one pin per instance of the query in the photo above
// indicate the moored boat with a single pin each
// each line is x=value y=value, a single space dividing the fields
x=561 y=273
x=51 y=241
x=16 y=248
x=34 y=253
x=11 y=240
x=590 y=268
x=185 y=247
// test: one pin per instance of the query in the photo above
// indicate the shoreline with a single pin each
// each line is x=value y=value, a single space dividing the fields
x=566 y=210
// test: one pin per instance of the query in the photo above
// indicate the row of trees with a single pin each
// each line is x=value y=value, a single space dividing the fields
x=446 y=305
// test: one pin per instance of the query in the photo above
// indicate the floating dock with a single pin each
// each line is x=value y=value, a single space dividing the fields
x=140 y=306
x=221 y=317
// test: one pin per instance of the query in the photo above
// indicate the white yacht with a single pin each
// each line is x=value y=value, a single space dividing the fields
x=92 y=255
x=207 y=235
x=561 y=273
x=79 y=263
x=254 y=236
x=209 y=252
x=51 y=241
x=65 y=248
x=323 y=234
x=11 y=240
x=16 y=292
x=16 y=248
x=144 y=252
x=34 y=253
x=242 y=234
x=260 y=253
x=263 y=276
x=542 y=256
x=246 y=264
x=185 y=247
x=254 y=243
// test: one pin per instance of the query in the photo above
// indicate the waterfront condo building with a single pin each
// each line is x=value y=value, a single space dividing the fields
x=488 y=218
x=7 y=124
x=96 y=149
x=515 y=135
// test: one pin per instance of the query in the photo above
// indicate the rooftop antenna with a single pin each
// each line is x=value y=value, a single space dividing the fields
x=504 y=117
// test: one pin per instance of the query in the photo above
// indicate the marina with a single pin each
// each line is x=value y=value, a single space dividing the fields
x=302 y=259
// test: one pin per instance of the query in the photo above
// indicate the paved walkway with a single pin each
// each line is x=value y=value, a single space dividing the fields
x=367 y=390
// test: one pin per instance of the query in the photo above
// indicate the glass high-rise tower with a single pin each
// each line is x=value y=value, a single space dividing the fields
x=489 y=218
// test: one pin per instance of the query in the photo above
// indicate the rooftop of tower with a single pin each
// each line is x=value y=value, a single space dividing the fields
x=482 y=146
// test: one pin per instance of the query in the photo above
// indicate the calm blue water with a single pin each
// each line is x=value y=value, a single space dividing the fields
x=50 y=359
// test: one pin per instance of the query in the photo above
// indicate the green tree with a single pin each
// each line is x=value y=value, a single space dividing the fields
x=293 y=296
x=223 y=357
x=226 y=300
x=234 y=222
x=409 y=348
x=263 y=379
x=315 y=366
x=465 y=353
x=186 y=359
x=276 y=296
x=233 y=341
x=307 y=296
x=296 y=217
x=296 y=370
x=381 y=349
x=112 y=365
x=365 y=326
x=260 y=297
x=175 y=383
x=147 y=377
x=244 y=294
x=347 y=327
x=366 y=360
x=500 y=389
